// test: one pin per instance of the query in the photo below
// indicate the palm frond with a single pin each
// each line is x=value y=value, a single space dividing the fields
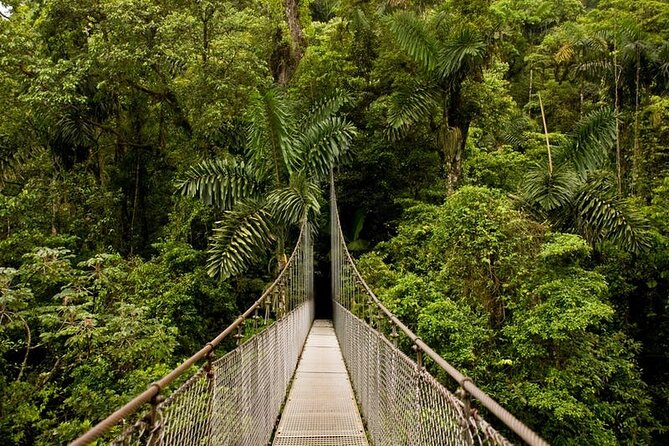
x=565 y=53
x=414 y=38
x=661 y=61
x=220 y=182
x=359 y=20
x=459 y=52
x=594 y=68
x=550 y=191
x=326 y=107
x=601 y=215
x=270 y=146
x=324 y=143
x=242 y=236
x=514 y=129
x=411 y=105
x=11 y=159
x=591 y=140
x=298 y=200
x=73 y=129
x=175 y=65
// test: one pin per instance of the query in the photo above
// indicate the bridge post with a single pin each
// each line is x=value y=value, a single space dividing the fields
x=466 y=399
x=379 y=318
x=393 y=333
x=154 y=426
x=419 y=355
x=268 y=303
x=239 y=335
x=255 y=320
x=281 y=301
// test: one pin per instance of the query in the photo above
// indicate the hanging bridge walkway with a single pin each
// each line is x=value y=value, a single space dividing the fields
x=361 y=379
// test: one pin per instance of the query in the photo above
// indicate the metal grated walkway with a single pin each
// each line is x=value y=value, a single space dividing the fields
x=321 y=408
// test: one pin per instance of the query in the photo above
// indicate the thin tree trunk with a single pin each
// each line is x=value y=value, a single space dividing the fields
x=548 y=142
x=135 y=207
x=637 y=149
x=582 y=98
x=29 y=338
x=54 y=208
x=529 y=97
x=206 y=18
x=619 y=166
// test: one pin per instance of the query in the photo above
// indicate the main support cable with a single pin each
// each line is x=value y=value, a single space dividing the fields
x=401 y=402
x=234 y=399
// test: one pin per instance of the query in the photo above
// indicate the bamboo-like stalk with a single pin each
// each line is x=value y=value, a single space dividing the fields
x=548 y=142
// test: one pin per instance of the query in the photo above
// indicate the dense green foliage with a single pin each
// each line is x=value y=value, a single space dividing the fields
x=503 y=174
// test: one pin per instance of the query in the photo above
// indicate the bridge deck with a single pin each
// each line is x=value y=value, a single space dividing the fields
x=321 y=408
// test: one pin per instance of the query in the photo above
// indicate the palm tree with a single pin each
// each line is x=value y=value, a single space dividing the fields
x=577 y=192
x=275 y=185
x=435 y=96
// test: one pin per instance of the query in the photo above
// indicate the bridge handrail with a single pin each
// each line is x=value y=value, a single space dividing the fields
x=154 y=389
x=466 y=383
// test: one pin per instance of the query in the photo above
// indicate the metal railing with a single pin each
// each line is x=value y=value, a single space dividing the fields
x=234 y=399
x=401 y=403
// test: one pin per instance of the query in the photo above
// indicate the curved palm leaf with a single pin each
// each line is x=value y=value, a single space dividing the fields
x=414 y=38
x=271 y=147
x=460 y=52
x=243 y=235
x=548 y=190
x=600 y=215
x=411 y=105
x=324 y=143
x=326 y=107
x=592 y=139
x=661 y=62
x=291 y=204
x=220 y=182
x=514 y=130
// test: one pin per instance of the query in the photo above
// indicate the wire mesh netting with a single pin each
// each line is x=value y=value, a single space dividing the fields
x=401 y=403
x=236 y=399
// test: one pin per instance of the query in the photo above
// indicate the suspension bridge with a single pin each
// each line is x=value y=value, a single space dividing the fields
x=300 y=381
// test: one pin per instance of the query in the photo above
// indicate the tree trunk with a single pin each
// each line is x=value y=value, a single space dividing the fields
x=207 y=14
x=293 y=19
x=135 y=207
x=582 y=98
x=459 y=122
x=616 y=81
x=529 y=97
x=286 y=60
x=636 y=159
x=548 y=141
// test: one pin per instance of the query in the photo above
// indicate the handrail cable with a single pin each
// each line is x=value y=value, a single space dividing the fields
x=154 y=389
x=524 y=432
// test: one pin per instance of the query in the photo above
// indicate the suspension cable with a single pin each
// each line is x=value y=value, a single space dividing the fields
x=153 y=390
x=524 y=432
